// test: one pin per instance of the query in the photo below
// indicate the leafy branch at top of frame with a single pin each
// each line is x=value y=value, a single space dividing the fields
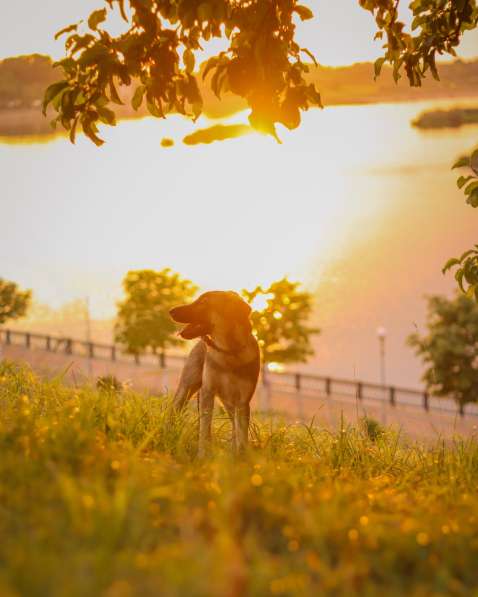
x=157 y=53
x=436 y=29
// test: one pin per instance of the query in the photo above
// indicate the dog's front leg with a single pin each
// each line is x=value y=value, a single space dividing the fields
x=243 y=413
x=206 y=406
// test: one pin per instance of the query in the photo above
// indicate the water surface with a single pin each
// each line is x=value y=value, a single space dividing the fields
x=356 y=202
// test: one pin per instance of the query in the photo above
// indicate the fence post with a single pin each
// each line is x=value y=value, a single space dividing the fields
x=162 y=360
x=328 y=386
x=48 y=343
x=359 y=390
x=68 y=345
x=392 y=395
x=8 y=339
x=113 y=352
x=136 y=359
x=91 y=350
x=462 y=409
x=300 y=405
x=426 y=404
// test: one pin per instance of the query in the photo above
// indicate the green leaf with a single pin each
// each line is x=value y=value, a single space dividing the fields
x=314 y=96
x=210 y=64
x=471 y=187
x=73 y=27
x=466 y=254
x=107 y=116
x=304 y=12
x=153 y=109
x=189 y=60
x=472 y=198
x=377 y=66
x=449 y=264
x=310 y=55
x=93 y=55
x=433 y=68
x=73 y=130
x=461 y=163
x=137 y=99
x=114 y=93
x=96 y=17
x=459 y=278
x=461 y=182
x=474 y=161
x=89 y=130
x=51 y=92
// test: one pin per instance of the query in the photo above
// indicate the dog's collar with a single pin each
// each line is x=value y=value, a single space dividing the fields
x=210 y=342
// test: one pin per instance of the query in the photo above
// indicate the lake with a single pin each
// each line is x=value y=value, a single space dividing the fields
x=356 y=203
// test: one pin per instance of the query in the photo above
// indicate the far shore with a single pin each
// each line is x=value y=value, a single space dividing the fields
x=29 y=124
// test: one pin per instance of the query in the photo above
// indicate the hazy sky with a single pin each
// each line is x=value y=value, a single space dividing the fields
x=341 y=33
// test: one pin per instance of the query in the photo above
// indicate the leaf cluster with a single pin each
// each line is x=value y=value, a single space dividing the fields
x=450 y=348
x=467 y=272
x=436 y=29
x=157 y=53
x=14 y=303
x=281 y=326
x=143 y=320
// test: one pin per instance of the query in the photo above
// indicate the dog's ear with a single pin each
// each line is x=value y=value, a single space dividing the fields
x=243 y=308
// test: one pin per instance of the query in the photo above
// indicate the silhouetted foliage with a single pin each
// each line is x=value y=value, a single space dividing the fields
x=14 y=303
x=281 y=326
x=450 y=348
x=143 y=316
x=262 y=62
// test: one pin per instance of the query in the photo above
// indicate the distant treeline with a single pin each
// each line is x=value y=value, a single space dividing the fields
x=24 y=79
x=441 y=119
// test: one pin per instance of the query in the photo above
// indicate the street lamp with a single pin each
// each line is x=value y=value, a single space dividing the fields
x=381 y=335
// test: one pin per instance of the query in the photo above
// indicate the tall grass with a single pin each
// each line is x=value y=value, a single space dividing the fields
x=101 y=494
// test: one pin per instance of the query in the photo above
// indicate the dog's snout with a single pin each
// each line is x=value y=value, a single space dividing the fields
x=173 y=313
x=178 y=314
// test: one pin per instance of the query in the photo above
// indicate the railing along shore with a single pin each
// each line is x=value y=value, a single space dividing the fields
x=304 y=385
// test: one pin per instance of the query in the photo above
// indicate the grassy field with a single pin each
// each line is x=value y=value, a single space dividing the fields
x=101 y=494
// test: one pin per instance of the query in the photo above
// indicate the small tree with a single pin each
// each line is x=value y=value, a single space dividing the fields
x=14 y=303
x=143 y=316
x=281 y=325
x=450 y=349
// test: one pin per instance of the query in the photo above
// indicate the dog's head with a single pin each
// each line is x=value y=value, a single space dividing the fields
x=212 y=310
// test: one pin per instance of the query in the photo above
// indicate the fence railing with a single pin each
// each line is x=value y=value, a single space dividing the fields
x=305 y=385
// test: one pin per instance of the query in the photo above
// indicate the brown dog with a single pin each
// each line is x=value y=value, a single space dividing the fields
x=225 y=363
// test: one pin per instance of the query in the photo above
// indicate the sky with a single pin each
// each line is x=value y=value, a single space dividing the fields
x=341 y=33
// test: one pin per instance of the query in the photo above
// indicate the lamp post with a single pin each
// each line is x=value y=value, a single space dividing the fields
x=381 y=335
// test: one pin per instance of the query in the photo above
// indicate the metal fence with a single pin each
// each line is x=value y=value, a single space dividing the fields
x=301 y=385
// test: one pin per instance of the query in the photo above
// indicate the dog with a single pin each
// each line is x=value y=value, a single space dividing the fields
x=224 y=363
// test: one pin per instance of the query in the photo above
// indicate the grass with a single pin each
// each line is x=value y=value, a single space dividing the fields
x=101 y=494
